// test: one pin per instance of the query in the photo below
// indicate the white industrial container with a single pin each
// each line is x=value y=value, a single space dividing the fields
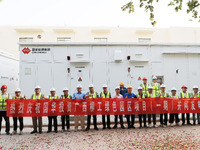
x=62 y=65
x=9 y=71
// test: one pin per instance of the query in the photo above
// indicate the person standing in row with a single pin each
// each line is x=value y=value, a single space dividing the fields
x=3 y=108
x=118 y=95
x=105 y=94
x=163 y=94
x=140 y=95
x=130 y=95
x=21 y=123
x=123 y=89
x=91 y=94
x=172 y=116
x=185 y=94
x=150 y=94
x=36 y=96
x=195 y=94
x=65 y=118
x=54 y=118
x=155 y=85
x=144 y=86
x=79 y=96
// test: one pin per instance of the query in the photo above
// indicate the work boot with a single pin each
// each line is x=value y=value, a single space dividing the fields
x=96 y=128
x=33 y=132
x=115 y=126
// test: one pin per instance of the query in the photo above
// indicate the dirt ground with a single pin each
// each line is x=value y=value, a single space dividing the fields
x=183 y=137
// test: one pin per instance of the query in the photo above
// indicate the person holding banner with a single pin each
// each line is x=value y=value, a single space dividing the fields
x=91 y=94
x=195 y=94
x=130 y=95
x=21 y=124
x=3 y=108
x=155 y=85
x=36 y=96
x=172 y=116
x=65 y=118
x=105 y=94
x=79 y=95
x=118 y=95
x=150 y=94
x=141 y=95
x=185 y=94
x=163 y=94
x=144 y=86
x=54 y=118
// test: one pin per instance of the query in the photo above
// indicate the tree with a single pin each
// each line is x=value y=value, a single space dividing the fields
x=148 y=5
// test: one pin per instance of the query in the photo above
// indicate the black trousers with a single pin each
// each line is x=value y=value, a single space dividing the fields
x=120 y=118
x=132 y=122
x=188 y=118
x=54 y=118
x=140 y=119
x=94 y=121
x=172 y=117
x=21 y=123
x=165 y=119
x=3 y=115
x=104 y=121
x=154 y=118
x=64 y=119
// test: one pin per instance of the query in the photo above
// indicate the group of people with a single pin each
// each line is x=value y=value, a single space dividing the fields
x=145 y=90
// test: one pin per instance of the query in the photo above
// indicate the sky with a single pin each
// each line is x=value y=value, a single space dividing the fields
x=88 y=13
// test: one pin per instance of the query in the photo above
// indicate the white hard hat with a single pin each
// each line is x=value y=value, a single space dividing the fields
x=65 y=89
x=18 y=90
x=139 y=88
x=52 y=90
x=173 y=89
x=162 y=86
x=195 y=87
x=91 y=86
x=117 y=88
x=150 y=87
x=79 y=86
x=37 y=87
x=105 y=86
x=154 y=77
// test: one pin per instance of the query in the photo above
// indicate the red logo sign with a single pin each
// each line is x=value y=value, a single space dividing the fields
x=26 y=50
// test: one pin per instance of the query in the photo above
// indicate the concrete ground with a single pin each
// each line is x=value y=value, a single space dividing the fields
x=183 y=137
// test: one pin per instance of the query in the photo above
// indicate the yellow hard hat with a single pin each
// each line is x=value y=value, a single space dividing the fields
x=129 y=87
x=121 y=83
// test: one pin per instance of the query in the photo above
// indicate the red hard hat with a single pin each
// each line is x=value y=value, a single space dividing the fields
x=184 y=86
x=4 y=87
x=144 y=78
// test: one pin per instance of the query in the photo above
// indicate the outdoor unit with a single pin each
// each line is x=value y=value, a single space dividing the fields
x=62 y=65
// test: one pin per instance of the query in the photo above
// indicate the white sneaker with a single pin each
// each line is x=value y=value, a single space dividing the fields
x=14 y=132
x=20 y=133
x=149 y=126
x=155 y=126
x=171 y=124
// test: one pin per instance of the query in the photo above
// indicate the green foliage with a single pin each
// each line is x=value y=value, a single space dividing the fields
x=148 y=5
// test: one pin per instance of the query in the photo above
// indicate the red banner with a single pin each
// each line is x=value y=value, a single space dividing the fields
x=99 y=106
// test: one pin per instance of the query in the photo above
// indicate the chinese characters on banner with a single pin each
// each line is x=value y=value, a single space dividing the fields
x=99 y=106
